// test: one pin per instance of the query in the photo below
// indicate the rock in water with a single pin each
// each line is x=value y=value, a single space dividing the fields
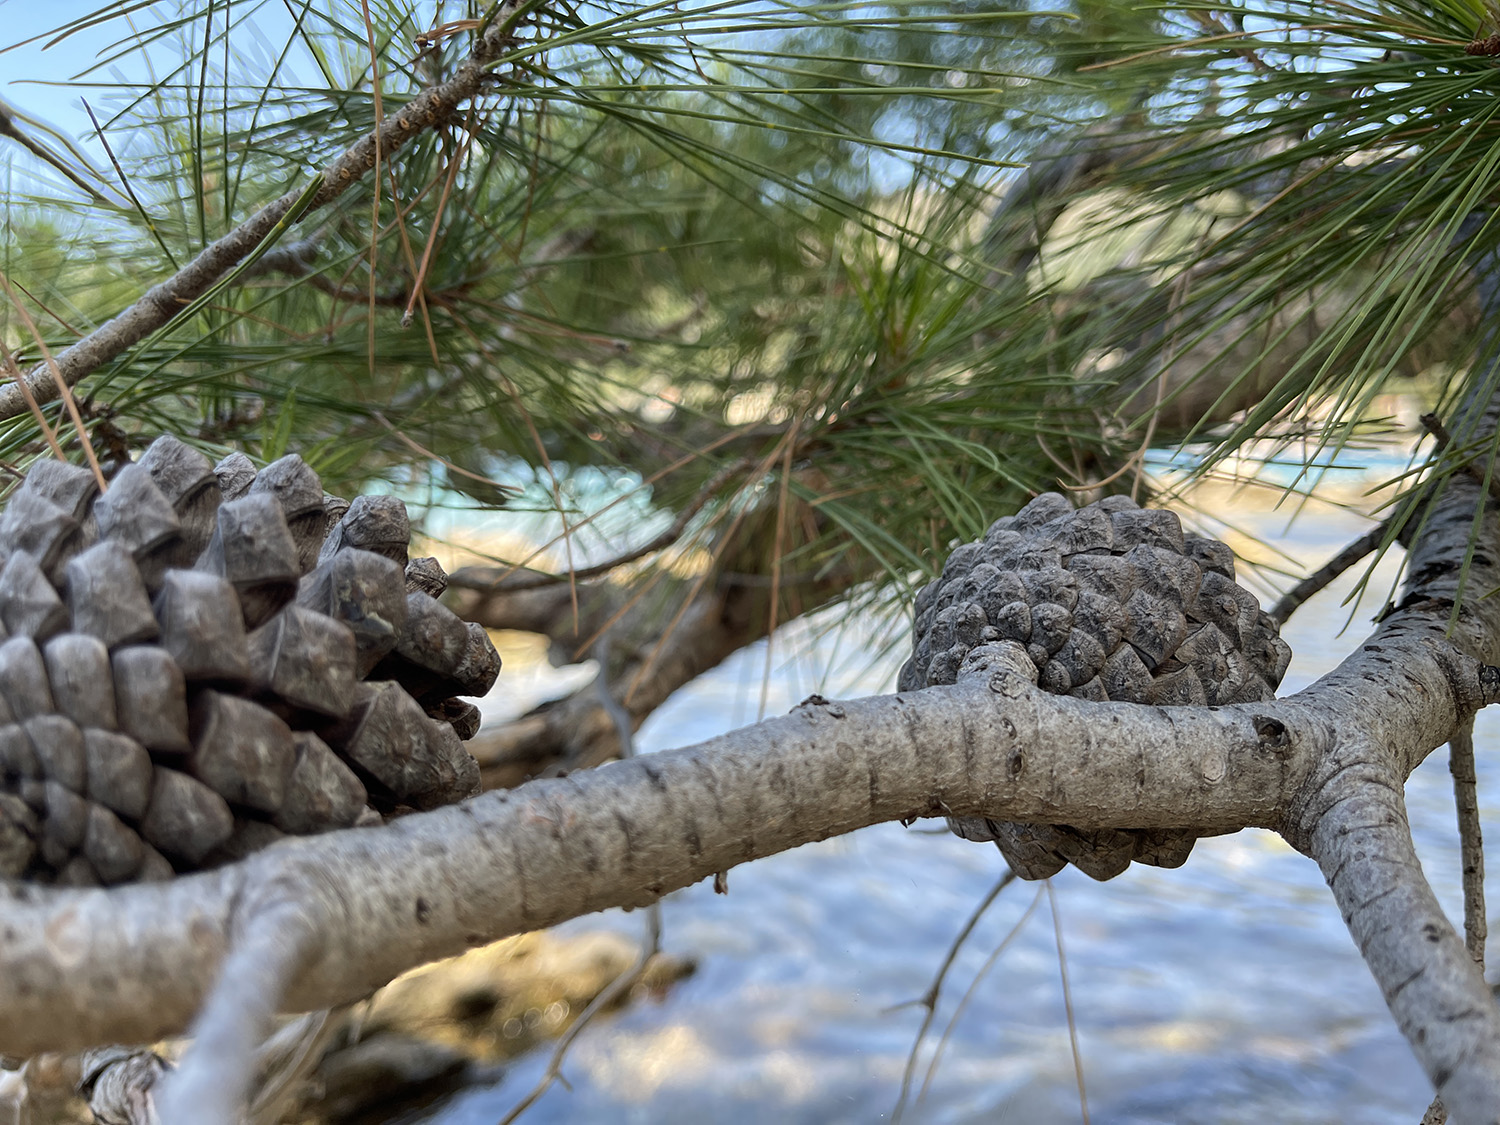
x=1112 y=602
x=206 y=658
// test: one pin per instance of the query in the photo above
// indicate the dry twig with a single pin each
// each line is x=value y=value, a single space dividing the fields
x=1319 y=579
x=929 y=999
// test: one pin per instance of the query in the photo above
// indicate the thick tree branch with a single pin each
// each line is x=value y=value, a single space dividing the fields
x=428 y=110
x=1435 y=991
x=134 y=963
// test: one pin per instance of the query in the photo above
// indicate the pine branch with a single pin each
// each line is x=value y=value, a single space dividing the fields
x=133 y=963
x=1321 y=578
x=163 y=303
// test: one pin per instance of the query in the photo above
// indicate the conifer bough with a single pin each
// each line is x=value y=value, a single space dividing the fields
x=207 y=658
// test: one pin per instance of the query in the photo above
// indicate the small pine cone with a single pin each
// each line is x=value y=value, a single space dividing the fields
x=207 y=658
x=1112 y=602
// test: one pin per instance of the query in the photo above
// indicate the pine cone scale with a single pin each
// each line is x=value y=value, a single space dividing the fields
x=183 y=664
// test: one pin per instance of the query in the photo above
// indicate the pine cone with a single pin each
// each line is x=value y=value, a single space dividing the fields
x=206 y=658
x=1113 y=602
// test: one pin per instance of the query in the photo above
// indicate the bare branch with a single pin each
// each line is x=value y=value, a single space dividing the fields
x=1319 y=579
x=133 y=963
x=1471 y=840
x=628 y=978
x=1435 y=991
x=486 y=579
x=1471 y=851
x=929 y=999
x=214 y=1079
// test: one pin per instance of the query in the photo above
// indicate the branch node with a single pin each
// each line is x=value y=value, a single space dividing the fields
x=832 y=709
x=1474 y=683
x=1001 y=664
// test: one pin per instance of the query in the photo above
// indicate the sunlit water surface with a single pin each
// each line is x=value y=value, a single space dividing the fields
x=1227 y=991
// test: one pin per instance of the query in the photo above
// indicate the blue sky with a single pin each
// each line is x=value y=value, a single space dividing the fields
x=25 y=71
x=32 y=74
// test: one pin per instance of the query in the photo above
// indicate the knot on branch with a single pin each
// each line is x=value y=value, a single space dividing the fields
x=1489 y=684
x=1475 y=685
x=1003 y=664
x=1111 y=602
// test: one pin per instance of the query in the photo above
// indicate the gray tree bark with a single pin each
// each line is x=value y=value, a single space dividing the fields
x=1324 y=767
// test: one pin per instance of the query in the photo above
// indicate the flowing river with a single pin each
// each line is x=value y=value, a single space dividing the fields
x=1223 y=992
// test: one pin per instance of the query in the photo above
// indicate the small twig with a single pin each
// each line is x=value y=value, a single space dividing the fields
x=1471 y=854
x=937 y=1055
x=1434 y=426
x=1471 y=839
x=929 y=999
x=1062 y=968
x=508 y=582
x=621 y=984
x=1325 y=574
x=1370 y=540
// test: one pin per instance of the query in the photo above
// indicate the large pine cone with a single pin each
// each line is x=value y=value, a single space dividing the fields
x=1113 y=602
x=206 y=658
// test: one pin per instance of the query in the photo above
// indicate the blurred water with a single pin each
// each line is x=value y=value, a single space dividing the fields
x=1227 y=991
